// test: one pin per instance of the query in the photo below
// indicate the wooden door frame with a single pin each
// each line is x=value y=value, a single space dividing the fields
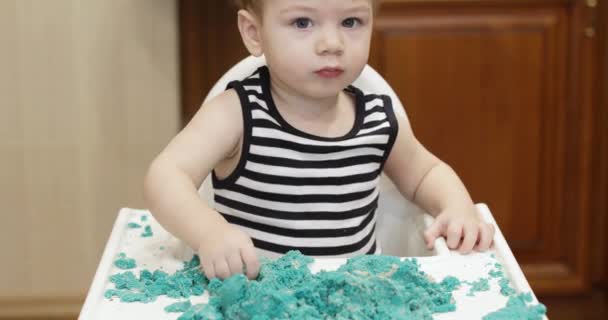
x=601 y=159
x=193 y=56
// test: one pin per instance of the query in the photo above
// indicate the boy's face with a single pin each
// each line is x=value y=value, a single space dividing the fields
x=317 y=47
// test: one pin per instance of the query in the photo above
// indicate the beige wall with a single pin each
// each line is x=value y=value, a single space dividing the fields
x=88 y=95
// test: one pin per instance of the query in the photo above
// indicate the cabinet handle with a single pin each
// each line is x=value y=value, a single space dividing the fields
x=590 y=30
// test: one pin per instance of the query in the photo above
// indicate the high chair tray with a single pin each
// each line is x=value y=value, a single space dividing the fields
x=162 y=251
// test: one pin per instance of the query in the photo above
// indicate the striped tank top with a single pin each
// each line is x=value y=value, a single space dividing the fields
x=296 y=191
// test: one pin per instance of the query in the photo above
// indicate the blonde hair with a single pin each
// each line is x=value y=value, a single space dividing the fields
x=256 y=5
x=252 y=5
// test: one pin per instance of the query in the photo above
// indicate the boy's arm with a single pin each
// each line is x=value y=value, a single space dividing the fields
x=434 y=186
x=172 y=182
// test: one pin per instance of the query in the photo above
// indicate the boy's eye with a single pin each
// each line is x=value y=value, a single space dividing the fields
x=351 y=22
x=302 y=23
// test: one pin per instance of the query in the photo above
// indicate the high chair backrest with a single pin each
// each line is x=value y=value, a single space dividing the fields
x=399 y=225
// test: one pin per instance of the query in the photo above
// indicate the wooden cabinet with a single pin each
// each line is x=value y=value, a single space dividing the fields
x=502 y=90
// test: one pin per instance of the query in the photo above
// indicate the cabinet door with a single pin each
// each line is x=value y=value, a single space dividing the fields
x=499 y=89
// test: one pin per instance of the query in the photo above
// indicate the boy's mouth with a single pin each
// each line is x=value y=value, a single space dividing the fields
x=329 y=72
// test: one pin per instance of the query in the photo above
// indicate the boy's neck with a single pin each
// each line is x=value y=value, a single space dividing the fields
x=291 y=102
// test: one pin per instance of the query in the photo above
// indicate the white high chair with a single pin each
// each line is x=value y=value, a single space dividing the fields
x=399 y=221
x=400 y=226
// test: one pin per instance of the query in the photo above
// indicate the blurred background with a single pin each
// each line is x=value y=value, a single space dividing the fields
x=511 y=93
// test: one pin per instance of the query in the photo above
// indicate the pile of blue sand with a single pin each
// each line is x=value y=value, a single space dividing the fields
x=149 y=285
x=125 y=263
x=519 y=308
x=366 y=287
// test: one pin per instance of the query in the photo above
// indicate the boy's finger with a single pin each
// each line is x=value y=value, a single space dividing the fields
x=470 y=238
x=454 y=234
x=235 y=263
x=221 y=268
x=485 y=237
x=251 y=262
x=208 y=269
x=432 y=233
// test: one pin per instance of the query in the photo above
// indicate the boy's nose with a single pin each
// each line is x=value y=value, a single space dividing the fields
x=330 y=42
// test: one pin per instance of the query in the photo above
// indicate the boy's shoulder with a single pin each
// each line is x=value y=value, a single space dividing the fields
x=230 y=101
x=226 y=102
x=223 y=110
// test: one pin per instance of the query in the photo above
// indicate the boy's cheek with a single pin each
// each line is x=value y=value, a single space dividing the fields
x=292 y=57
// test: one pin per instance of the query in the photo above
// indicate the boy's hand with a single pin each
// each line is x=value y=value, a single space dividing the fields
x=225 y=250
x=463 y=230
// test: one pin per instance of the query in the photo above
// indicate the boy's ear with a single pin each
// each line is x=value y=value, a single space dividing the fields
x=249 y=27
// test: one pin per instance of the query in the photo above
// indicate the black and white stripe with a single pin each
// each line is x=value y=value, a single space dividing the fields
x=296 y=191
